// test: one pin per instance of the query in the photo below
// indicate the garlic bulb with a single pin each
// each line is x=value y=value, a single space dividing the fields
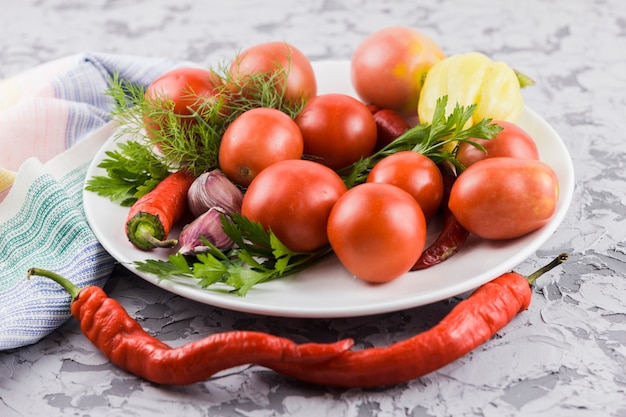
x=213 y=189
x=208 y=226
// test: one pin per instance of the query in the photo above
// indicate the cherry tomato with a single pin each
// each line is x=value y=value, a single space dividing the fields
x=186 y=89
x=414 y=173
x=293 y=199
x=267 y=58
x=377 y=231
x=337 y=130
x=388 y=68
x=504 y=198
x=512 y=141
x=255 y=140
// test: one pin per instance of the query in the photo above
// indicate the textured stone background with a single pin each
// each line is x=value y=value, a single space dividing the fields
x=565 y=356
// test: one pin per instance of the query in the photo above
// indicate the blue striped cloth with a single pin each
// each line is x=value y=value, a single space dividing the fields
x=42 y=223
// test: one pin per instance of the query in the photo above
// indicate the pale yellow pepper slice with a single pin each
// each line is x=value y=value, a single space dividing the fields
x=472 y=78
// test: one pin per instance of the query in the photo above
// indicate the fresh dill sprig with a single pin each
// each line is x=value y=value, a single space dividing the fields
x=181 y=141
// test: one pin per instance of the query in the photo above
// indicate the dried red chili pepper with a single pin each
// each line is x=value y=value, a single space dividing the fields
x=151 y=218
x=389 y=125
x=469 y=324
x=452 y=235
x=122 y=339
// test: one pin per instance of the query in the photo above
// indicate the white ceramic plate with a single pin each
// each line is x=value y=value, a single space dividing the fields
x=327 y=289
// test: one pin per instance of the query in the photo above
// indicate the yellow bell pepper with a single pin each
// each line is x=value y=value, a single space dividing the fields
x=472 y=78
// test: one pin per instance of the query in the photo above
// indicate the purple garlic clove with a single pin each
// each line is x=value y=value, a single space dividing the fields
x=213 y=189
x=208 y=226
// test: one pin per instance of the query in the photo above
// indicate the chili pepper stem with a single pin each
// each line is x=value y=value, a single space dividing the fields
x=555 y=262
x=145 y=232
x=68 y=285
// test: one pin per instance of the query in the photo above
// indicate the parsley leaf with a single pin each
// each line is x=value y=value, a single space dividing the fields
x=429 y=139
x=132 y=171
x=258 y=256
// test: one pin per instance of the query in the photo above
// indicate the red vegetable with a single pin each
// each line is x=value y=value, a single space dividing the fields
x=337 y=130
x=389 y=66
x=255 y=140
x=151 y=218
x=512 y=141
x=377 y=231
x=293 y=199
x=416 y=174
x=504 y=198
x=452 y=235
x=471 y=323
x=292 y=70
x=389 y=125
x=187 y=89
x=121 y=339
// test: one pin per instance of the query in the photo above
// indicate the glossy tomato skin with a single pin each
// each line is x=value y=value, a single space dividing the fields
x=389 y=66
x=504 y=198
x=184 y=86
x=187 y=88
x=377 y=231
x=294 y=198
x=512 y=141
x=414 y=173
x=337 y=130
x=255 y=140
x=267 y=58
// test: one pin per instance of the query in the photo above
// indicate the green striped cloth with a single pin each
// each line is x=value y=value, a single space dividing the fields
x=42 y=223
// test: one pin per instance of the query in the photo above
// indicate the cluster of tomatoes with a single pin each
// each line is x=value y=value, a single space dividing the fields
x=290 y=167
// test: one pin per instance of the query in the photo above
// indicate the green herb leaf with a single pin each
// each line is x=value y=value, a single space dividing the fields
x=209 y=270
x=176 y=265
x=192 y=140
x=132 y=171
x=259 y=256
x=429 y=139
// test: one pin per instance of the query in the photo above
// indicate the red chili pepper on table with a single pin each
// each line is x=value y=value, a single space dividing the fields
x=151 y=218
x=452 y=235
x=469 y=324
x=122 y=339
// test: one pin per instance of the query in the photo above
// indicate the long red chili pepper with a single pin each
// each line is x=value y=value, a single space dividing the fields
x=122 y=339
x=469 y=324
x=452 y=235
x=151 y=218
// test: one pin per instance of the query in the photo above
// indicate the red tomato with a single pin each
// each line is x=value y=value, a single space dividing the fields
x=294 y=198
x=377 y=231
x=512 y=141
x=388 y=68
x=337 y=130
x=255 y=140
x=504 y=198
x=186 y=88
x=267 y=58
x=414 y=173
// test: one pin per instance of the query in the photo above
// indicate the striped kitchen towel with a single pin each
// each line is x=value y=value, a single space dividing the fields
x=53 y=119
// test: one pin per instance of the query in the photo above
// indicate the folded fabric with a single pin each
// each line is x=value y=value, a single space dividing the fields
x=53 y=119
